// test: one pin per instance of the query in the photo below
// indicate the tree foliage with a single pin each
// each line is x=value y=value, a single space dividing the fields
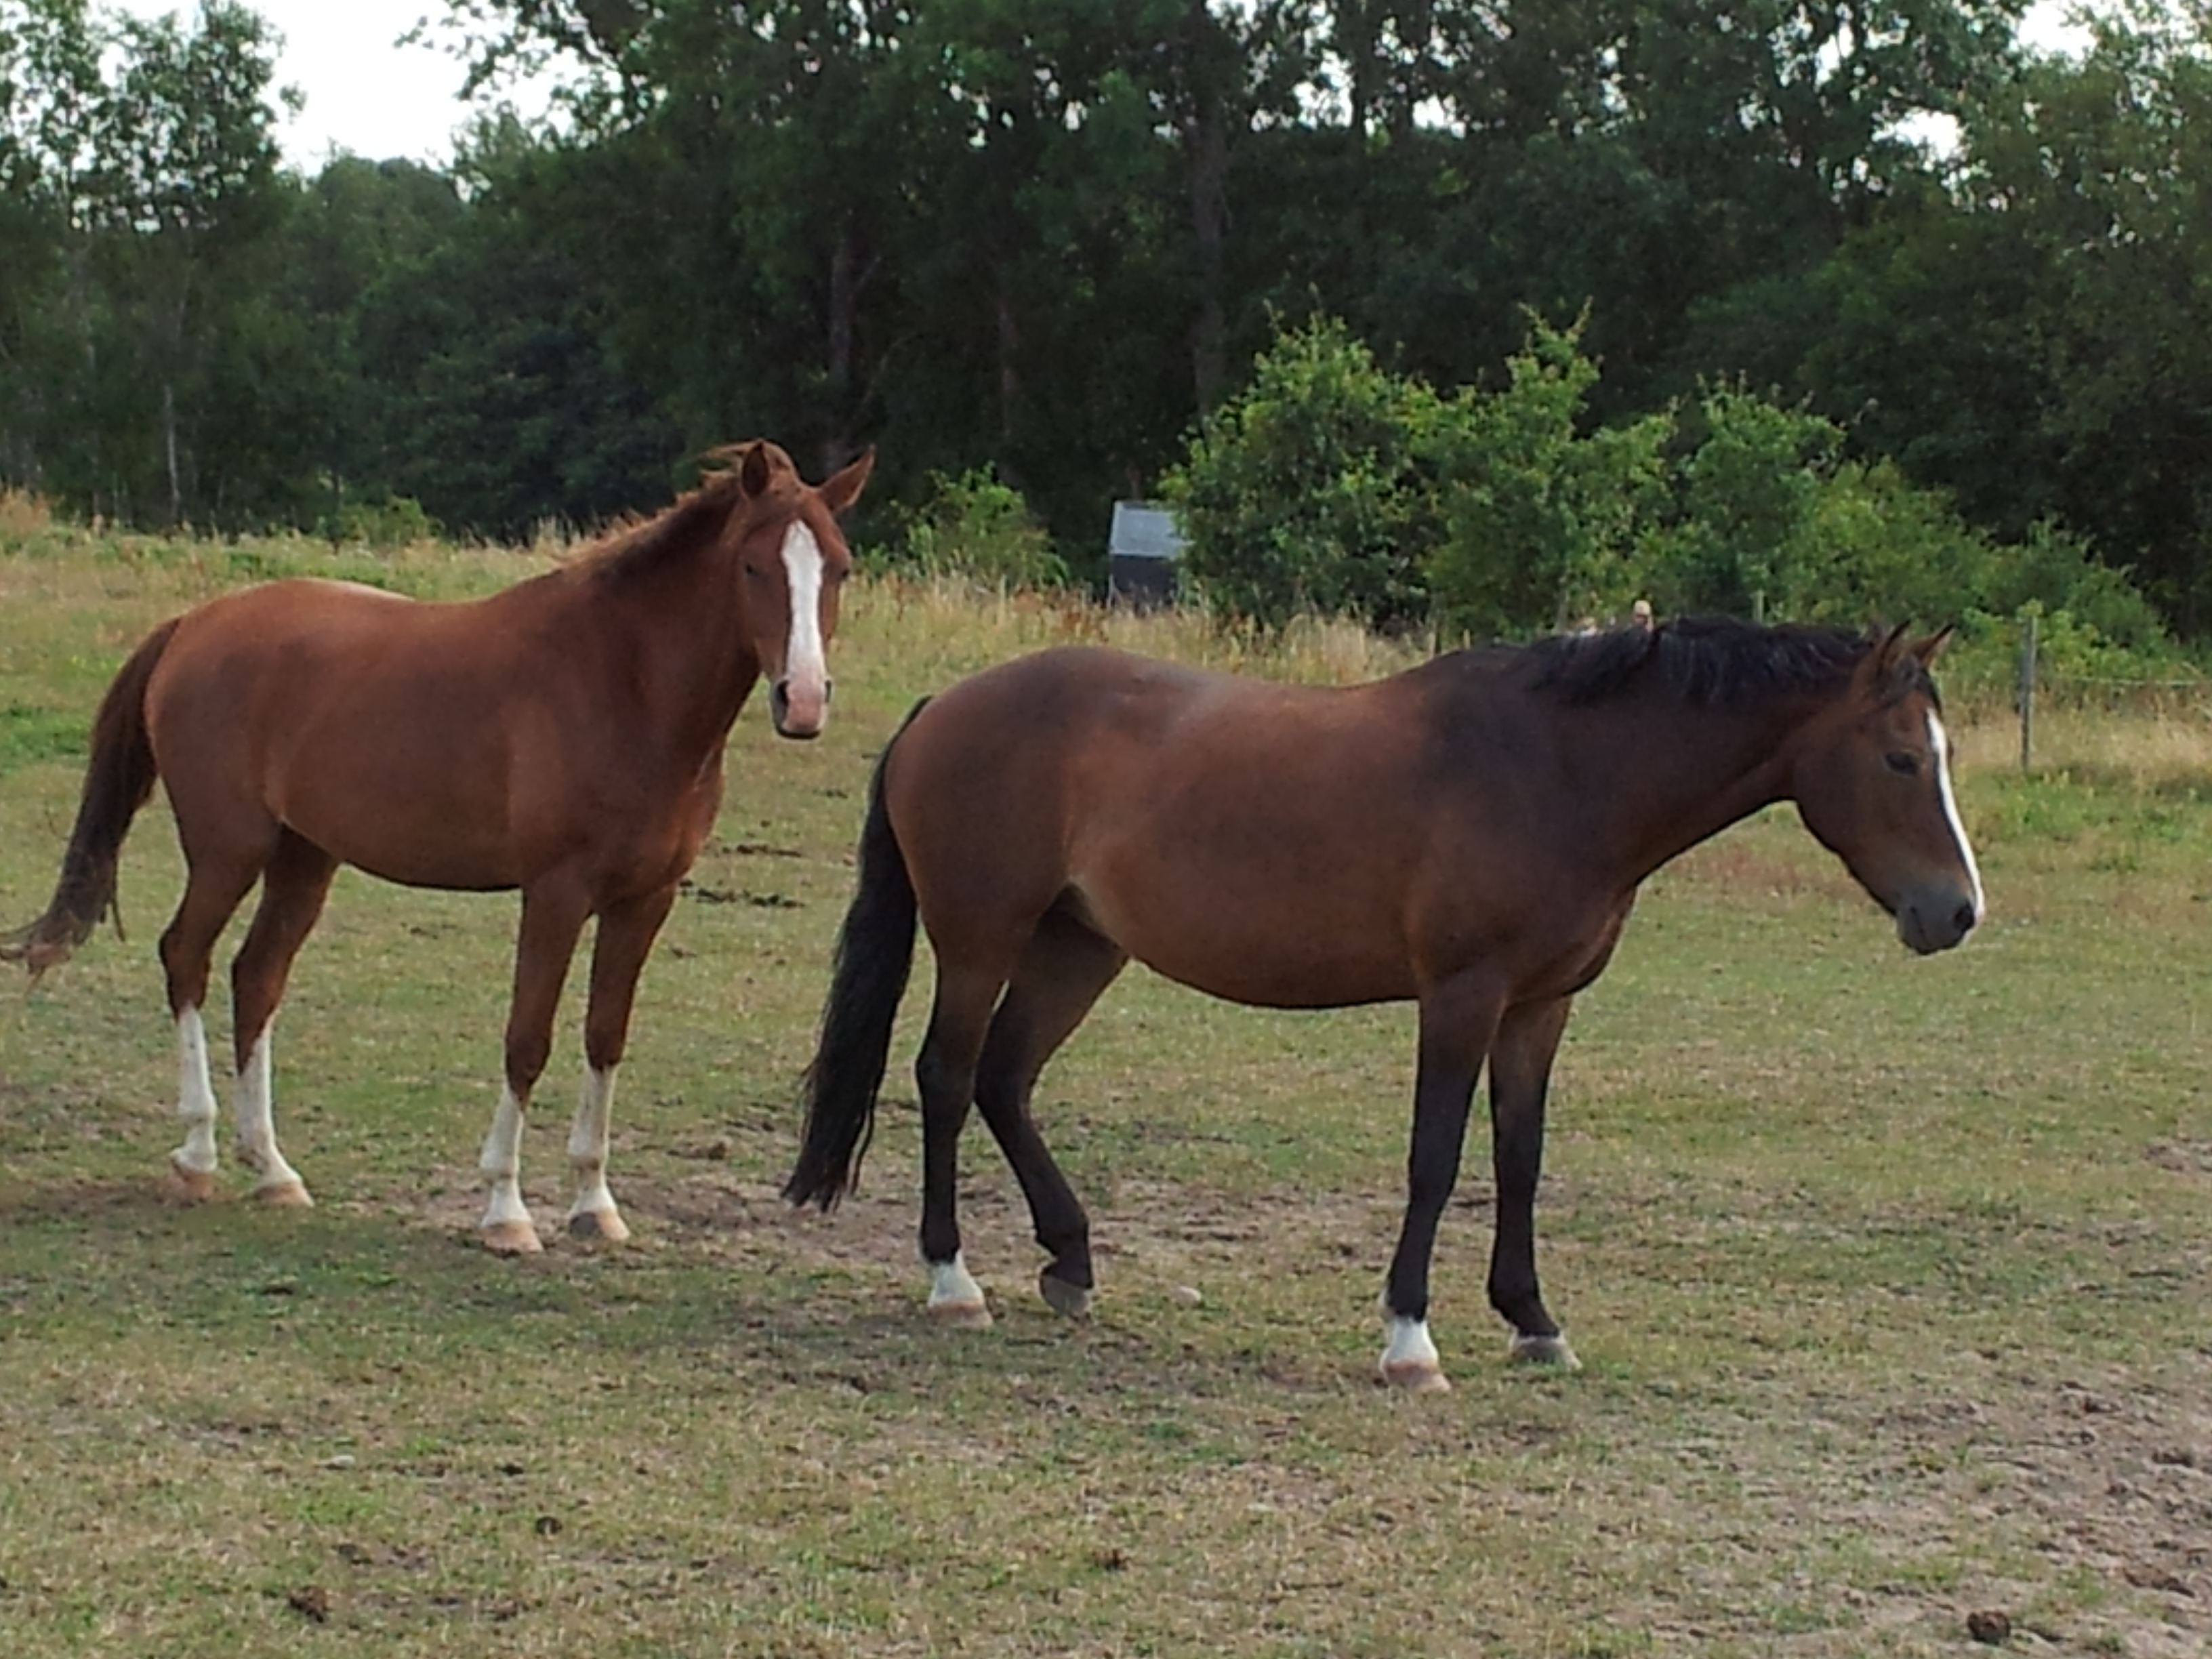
x=1333 y=485
x=1039 y=241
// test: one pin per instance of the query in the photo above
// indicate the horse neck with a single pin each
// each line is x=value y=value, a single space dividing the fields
x=694 y=652
x=1680 y=774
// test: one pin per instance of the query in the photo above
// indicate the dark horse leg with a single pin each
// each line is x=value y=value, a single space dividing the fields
x=1458 y=1020
x=1519 y=1078
x=972 y=1055
x=944 y=1073
x=553 y=915
x=293 y=889
x=625 y=936
x=1065 y=970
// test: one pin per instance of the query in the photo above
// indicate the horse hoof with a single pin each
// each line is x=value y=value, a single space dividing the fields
x=193 y=1186
x=1416 y=1376
x=1071 y=1301
x=599 y=1227
x=512 y=1238
x=284 y=1195
x=1552 y=1351
x=960 y=1315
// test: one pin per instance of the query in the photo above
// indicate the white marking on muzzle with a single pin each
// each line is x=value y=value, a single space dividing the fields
x=806 y=670
x=1940 y=742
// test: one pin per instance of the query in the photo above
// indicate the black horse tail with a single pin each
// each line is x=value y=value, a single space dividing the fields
x=116 y=782
x=875 y=953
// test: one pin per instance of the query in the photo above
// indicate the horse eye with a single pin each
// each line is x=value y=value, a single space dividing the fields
x=1903 y=762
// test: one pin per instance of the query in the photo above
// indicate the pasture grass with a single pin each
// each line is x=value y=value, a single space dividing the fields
x=1892 y=1278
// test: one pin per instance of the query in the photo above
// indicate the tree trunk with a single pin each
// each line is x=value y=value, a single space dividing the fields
x=169 y=453
x=1010 y=371
x=844 y=308
x=1209 y=145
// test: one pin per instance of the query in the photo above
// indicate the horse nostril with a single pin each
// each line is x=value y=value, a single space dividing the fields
x=1964 y=920
x=779 y=703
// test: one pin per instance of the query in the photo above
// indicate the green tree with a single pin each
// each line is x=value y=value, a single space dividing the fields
x=145 y=146
x=1543 y=513
x=1317 y=488
x=2037 y=339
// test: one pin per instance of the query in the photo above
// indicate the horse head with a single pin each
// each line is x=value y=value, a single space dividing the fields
x=791 y=562
x=1873 y=782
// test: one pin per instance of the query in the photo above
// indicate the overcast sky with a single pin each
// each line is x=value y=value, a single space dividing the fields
x=367 y=94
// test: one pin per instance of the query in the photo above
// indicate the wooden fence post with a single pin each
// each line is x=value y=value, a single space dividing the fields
x=2027 y=691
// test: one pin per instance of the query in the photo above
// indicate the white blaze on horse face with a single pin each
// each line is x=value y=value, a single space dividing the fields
x=1939 y=743
x=805 y=666
x=195 y=1096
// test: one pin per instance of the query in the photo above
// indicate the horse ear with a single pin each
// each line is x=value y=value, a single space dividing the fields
x=1928 y=650
x=1881 y=661
x=842 y=489
x=753 y=466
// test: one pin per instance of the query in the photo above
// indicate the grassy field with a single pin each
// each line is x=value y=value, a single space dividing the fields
x=1892 y=1278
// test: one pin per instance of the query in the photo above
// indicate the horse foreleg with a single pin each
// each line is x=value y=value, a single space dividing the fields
x=1520 y=1079
x=944 y=1073
x=1457 y=1022
x=553 y=915
x=625 y=938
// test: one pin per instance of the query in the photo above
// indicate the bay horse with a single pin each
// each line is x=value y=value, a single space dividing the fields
x=563 y=736
x=1468 y=835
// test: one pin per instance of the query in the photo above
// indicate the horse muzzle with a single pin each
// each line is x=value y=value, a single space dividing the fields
x=1936 y=917
x=798 y=714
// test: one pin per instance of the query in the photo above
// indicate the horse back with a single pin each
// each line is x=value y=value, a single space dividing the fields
x=427 y=743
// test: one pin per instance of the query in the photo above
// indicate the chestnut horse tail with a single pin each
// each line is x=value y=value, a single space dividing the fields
x=116 y=782
x=875 y=952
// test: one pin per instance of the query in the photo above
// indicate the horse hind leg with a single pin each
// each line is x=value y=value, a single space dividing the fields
x=213 y=889
x=1063 y=972
x=626 y=933
x=293 y=889
x=945 y=1074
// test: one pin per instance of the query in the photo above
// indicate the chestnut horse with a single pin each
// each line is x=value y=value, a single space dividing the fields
x=564 y=736
x=1468 y=835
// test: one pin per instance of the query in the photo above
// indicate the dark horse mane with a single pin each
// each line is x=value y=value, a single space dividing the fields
x=1705 y=661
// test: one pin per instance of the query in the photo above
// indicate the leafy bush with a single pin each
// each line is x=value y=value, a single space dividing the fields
x=1332 y=486
x=975 y=526
x=1743 y=479
x=385 y=523
x=1317 y=489
x=1541 y=519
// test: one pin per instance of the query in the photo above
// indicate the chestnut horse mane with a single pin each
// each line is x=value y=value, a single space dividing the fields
x=1711 y=661
x=638 y=543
